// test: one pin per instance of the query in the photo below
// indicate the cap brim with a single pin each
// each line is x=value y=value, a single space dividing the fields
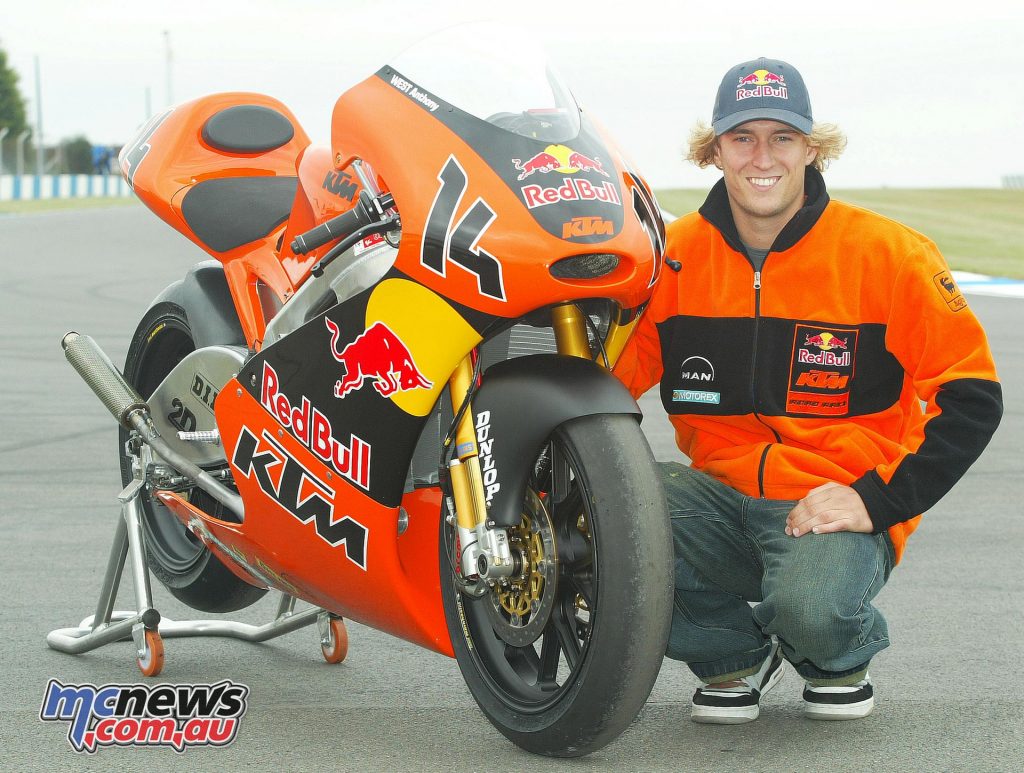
x=798 y=122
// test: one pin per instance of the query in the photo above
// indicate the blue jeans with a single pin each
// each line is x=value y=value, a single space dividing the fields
x=814 y=592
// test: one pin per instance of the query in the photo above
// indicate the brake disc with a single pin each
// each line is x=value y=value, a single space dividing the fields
x=520 y=607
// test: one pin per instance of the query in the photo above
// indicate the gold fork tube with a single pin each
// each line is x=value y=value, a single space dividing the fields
x=615 y=341
x=570 y=331
x=458 y=385
x=466 y=476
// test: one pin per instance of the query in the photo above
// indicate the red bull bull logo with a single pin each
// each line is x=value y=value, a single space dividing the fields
x=558 y=158
x=377 y=355
x=765 y=84
x=582 y=163
x=825 y=341
x=542 y=162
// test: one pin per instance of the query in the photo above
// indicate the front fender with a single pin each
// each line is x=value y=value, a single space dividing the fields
x=519 y=404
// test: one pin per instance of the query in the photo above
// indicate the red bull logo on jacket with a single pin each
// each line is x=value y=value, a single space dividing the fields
x=813 y=389
x=379 y=356
x=825 y=342
x=763 y=83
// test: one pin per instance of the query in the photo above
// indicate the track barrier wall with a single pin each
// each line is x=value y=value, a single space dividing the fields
x=62 y=186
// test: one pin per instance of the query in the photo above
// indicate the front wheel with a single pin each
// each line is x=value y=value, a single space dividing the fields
x=562 y=657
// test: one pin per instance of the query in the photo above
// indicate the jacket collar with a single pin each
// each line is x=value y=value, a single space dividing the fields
x=716 y=210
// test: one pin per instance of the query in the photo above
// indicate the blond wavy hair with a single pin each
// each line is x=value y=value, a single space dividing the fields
x=826 y=137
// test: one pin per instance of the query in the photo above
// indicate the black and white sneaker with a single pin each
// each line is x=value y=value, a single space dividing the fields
x=850 y=702
x=739 y=701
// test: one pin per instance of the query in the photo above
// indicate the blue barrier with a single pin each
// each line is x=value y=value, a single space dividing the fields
x=61 y=186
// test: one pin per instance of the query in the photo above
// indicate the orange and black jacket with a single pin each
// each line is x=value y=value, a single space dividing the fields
x=815 y=368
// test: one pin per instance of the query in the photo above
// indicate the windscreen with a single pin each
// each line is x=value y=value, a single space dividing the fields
x=497 y=74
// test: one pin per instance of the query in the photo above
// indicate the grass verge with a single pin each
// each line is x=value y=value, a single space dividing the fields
x=980 y=230
x=45 y=205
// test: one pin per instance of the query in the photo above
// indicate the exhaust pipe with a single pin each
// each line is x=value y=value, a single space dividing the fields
x=132 y=413
x=103 y=378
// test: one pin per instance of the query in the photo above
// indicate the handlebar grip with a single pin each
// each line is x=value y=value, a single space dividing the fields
x=103 y=378
x=335 y=228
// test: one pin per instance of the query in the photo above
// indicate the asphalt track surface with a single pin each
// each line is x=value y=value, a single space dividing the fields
x=949 y=689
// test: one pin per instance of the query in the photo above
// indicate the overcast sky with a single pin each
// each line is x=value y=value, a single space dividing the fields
x=928 y=98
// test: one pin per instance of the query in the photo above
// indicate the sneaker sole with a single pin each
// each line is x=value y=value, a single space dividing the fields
x=724 y=715
x=727 y=715
x=839 y=711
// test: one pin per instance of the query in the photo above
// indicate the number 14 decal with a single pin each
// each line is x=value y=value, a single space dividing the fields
x=460 y=245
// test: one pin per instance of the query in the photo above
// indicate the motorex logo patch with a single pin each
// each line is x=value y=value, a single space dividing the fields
x=696 y=396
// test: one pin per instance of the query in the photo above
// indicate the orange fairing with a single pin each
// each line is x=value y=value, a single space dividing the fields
x=322 y=194
x=514 y=236
x=371 y=573
x=230 y=198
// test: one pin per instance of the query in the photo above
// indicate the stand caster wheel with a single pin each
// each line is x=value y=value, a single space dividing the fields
x=334 y=640
x=151 y=662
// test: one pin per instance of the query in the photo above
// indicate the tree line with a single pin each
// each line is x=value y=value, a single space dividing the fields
x=74 y=155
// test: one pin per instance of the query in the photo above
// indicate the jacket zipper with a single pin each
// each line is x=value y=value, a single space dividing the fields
x=753 y=388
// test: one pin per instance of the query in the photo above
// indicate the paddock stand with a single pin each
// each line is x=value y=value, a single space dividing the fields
x=147 y=629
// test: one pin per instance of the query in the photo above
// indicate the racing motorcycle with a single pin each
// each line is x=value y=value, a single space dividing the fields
x=388 y=394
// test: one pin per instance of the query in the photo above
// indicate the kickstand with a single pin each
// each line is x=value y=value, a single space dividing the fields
x=147 y=628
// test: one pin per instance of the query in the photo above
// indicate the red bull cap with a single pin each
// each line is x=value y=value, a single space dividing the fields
x=762 y=89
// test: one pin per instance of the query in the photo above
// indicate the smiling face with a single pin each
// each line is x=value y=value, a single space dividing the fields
x=764 y=164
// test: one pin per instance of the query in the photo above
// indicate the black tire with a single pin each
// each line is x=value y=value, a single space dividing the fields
x=581 y=683
x=178 y=559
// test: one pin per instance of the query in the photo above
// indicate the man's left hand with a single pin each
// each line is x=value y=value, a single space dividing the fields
x=829 y=508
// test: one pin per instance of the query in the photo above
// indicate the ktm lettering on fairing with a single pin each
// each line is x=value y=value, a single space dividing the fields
x=313 y=429
x=298 y=491
x=572 y=189
x=340 y=184
x=587 y=226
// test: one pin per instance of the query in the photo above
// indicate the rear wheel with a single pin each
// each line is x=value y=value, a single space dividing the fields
x=563 y=657
x=178 y=559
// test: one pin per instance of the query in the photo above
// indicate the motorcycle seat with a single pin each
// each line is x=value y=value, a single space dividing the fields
x=225 y=213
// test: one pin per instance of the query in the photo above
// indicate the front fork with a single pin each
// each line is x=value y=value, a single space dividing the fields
x=485 y=550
